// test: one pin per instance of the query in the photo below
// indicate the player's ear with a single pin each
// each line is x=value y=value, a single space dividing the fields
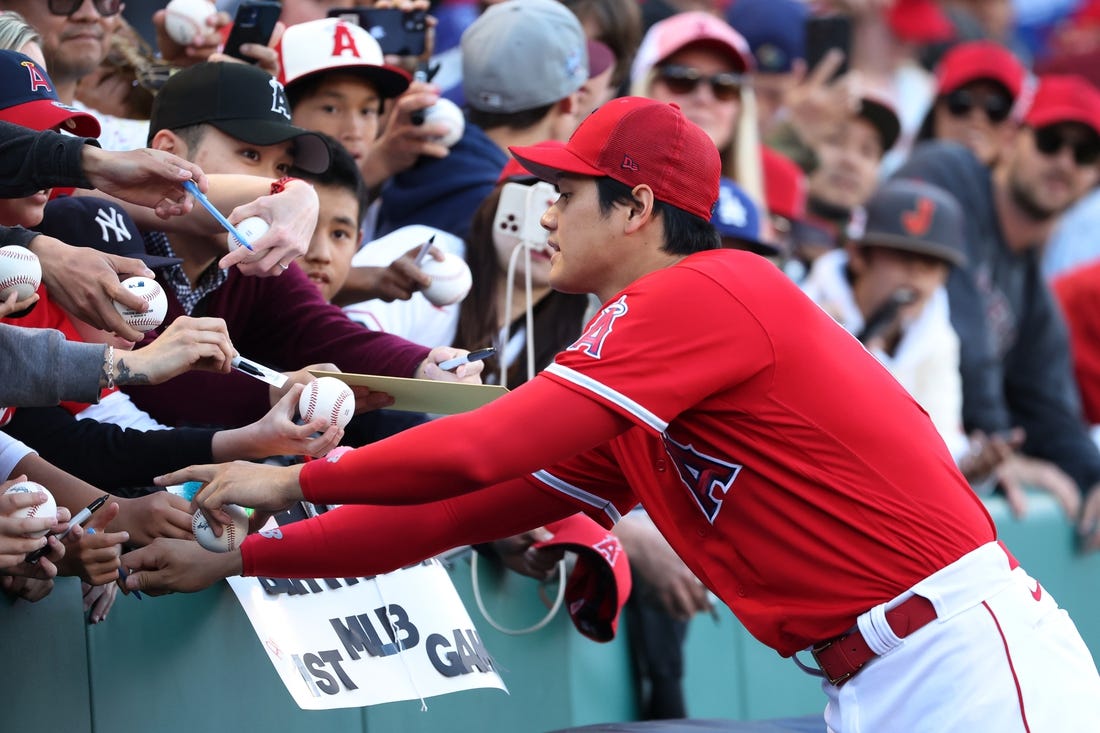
x=640 y=210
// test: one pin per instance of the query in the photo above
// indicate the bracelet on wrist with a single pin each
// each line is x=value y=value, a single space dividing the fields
x=109 y=366
x=280 y=185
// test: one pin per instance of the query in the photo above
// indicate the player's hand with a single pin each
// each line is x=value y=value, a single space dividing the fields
x=467 y=373
x=202 y=46
x=519 y=555
x=14 y=305
x=266 y=488
x=187 y=343
x=86 y=283
x=146 y=177
x=291 y=216
x=98 y=600
x=401 y=142
x=659 y=572
x=159 y=514
x=276 y=434
x=177 y=566
x=91 y=552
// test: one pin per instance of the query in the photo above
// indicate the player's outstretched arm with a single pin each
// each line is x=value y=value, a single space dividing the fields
x=152 y=178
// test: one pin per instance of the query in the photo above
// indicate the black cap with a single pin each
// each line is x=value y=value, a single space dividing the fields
x=916 y=217
x=880 y=112
x=242 y=101
x=87 y=221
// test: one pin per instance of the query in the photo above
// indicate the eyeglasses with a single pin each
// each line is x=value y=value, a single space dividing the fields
x=996 y=107
x=68 y=7
x=1050 y=140
x=684 y=79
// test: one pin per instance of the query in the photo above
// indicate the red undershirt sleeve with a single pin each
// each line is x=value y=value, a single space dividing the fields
x=536 y=426
x=366 y=540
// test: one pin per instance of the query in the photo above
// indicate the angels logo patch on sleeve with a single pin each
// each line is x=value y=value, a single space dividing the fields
x=707 y=478
x=592 y=340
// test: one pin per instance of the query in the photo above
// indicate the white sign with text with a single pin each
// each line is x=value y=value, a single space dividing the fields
x=350 y=642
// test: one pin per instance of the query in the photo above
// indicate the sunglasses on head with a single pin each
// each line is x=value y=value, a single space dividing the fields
x=1050 y=140
x=684 y=79
x=68 y=7
x=996 y=107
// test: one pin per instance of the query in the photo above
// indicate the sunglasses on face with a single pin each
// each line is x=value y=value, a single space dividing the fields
x=684 y=79
x=68 y=7
x=996 y=107
x=1050 y=141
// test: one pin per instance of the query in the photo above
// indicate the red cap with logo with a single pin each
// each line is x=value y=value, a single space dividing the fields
x=976 y=60
x=635 y=140
x=1064 y=98
x=599 y=584
x=28 y=98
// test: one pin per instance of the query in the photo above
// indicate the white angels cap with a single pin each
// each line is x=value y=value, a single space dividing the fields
x=329 y=44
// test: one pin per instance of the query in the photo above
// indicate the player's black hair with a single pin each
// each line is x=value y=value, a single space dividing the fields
x=343 y=172
x=684 y=233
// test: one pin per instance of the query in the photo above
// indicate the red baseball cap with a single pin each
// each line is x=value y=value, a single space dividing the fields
x=1064 y=98
x=976 y=60
x=514 y=171
x=28 y=98
x=600 y=582
x=919 y=21
x=635 y=140
x=784 y=185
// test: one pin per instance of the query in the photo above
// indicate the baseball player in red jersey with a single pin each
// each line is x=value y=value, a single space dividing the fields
x=794 y=476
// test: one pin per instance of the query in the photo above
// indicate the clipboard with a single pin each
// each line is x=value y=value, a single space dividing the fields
x=423 y=395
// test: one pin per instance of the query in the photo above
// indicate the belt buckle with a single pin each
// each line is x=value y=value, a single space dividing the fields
x=821 y=647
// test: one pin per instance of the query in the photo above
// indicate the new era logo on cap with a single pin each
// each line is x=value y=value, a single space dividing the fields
x=629 y=164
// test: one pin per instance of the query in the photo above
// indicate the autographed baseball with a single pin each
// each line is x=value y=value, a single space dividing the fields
x=327 y=397
x=448 y=113
x=19 y=271
x=451 y=279
x=186 y=19
x=232 y=534
x=251 y=229
x=47 y=508
x=150 y=291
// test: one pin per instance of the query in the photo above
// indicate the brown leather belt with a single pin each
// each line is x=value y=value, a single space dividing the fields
x=841 y=658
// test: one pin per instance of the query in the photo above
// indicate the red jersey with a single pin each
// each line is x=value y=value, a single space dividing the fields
x=785 y=465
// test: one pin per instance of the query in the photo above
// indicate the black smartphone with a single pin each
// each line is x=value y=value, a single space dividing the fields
x=826 y=32
x=254 y=23
x=398 y=32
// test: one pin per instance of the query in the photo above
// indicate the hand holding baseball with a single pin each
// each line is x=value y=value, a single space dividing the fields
x=262 y=487
x=22 y=531
x=291 y=216
x=276 y=434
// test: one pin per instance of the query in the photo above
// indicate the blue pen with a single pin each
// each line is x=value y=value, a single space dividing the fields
x=194 y=191
x=122 y=574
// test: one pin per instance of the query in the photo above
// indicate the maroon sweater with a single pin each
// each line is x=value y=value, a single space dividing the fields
x=283 y=323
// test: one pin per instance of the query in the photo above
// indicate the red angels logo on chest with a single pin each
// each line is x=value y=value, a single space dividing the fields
x=592 y=340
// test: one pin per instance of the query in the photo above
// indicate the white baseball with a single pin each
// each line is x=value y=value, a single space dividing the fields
x=451 y=279
x=186 y=19
x=150 y=291
x=19 y=271
x=448 y=113
x=47 y=508
x=251 y=229
x=232 y=534
x=327 y=397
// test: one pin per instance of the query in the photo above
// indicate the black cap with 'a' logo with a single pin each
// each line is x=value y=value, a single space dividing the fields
x=242 y=101
x=916 y=217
